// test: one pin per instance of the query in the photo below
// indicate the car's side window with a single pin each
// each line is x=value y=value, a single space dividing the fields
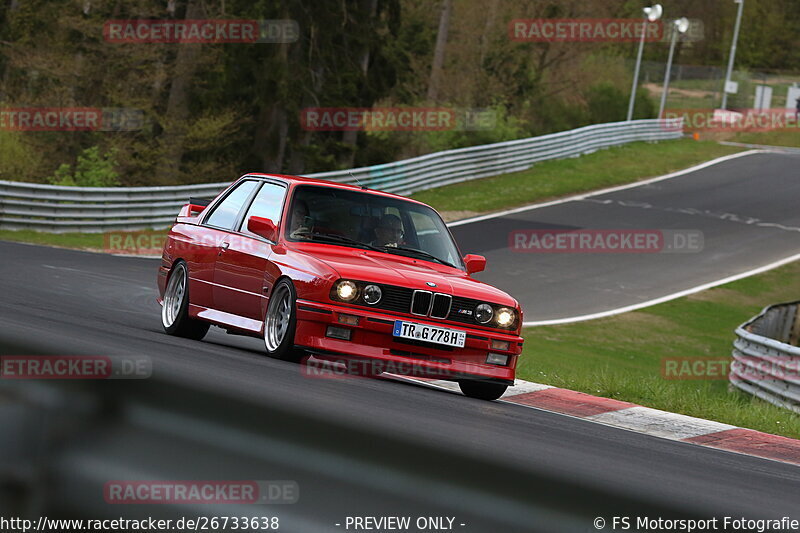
x=266 y=204
x=227 y=211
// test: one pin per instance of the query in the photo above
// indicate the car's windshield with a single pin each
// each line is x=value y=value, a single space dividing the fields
x=354 y=218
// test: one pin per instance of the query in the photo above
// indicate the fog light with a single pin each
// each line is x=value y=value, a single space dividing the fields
x=483 y=313
x=350 y=320
x=497 y=359
x=499 y=345
x=338 y=333
x=372 y=294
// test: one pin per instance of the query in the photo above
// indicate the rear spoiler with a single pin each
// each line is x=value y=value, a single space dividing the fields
x=200 y=202
x=194 y=207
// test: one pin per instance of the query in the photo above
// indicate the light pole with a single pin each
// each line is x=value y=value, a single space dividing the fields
x=651 y=14
x=733 y=53
x=678 y=26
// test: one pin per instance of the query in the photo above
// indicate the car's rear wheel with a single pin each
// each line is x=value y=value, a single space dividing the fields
x=280 y=323
x=482 y=390
x=175 y=308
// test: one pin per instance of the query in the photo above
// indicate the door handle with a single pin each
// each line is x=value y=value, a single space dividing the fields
x=223 y=247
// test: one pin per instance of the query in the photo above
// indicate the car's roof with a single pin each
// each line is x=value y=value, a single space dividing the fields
x=326 y=183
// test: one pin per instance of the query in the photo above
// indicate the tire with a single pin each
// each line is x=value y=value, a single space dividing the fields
x=482 y=390
x=175 y=309
x=280 y=323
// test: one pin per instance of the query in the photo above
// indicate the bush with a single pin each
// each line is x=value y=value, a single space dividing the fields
x=17 y=158
x=92 y=170
x=607 y=103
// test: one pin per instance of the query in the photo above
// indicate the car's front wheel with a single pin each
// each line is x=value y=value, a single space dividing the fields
x=482 y=390
x=175 y=308
x=280 y=323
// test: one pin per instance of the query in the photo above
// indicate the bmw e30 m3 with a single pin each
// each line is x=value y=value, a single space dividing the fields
x=342 y=273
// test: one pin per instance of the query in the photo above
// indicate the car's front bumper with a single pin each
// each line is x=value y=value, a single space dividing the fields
x=372 y=340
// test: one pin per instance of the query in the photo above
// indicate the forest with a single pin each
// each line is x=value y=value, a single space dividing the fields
x=210 y=111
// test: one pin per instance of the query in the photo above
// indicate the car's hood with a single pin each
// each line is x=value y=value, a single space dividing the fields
x=390 y=269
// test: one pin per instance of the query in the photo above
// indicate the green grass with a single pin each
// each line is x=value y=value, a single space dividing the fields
x=83 y=241
x=551 y=179
x=771 y=138
x=621 y=357
x=122 y=241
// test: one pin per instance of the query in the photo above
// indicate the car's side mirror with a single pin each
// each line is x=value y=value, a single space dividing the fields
x=475 y=263
x=263 y=227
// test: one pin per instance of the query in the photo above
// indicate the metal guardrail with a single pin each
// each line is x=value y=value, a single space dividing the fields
x=97 y=209
x=766 y=356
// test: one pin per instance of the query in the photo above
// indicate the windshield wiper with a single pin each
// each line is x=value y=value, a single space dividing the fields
x=344 y=240
x=422 y=253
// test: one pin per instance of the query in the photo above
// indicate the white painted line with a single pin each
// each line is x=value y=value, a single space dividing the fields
x=666 y=298
x=607 y=190
x=660 y=423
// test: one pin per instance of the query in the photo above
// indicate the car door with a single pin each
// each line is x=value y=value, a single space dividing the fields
x=242 y=277
x=218 y=225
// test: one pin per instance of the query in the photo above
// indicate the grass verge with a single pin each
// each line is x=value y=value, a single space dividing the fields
x=561 y=177
x=789 y=138
x=621 y=357
x=122 y=242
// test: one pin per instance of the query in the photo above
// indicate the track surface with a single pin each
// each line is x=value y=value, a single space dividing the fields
x=82 y=303
x=745 y=207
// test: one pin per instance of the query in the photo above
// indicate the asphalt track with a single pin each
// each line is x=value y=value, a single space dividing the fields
x=746 y=209
x=78 y=303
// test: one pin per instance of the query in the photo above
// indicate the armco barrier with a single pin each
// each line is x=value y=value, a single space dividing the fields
x=95 y=209
x=766 y=358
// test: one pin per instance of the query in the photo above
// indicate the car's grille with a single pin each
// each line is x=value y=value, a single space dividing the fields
x=421 y=303
x=395 y=299
x=463 y=310
x=441 y=305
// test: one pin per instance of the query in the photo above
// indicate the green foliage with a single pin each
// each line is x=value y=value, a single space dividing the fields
x=91 y=170
x=485 y=126
x=607 y=103
x=17 y=158
x=213 y=111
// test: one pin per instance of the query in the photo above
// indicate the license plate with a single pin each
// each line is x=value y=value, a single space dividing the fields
x=434 y=334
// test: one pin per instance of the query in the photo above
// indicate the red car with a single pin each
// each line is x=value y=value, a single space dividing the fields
x=342 y=273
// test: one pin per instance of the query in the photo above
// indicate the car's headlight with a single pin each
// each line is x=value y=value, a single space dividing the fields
x=372 y=294
x=506 y=317
x=484 y=313
x=346 y=290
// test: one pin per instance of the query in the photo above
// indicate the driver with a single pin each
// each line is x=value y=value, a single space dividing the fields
x=389 y=231
x=299 y=225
